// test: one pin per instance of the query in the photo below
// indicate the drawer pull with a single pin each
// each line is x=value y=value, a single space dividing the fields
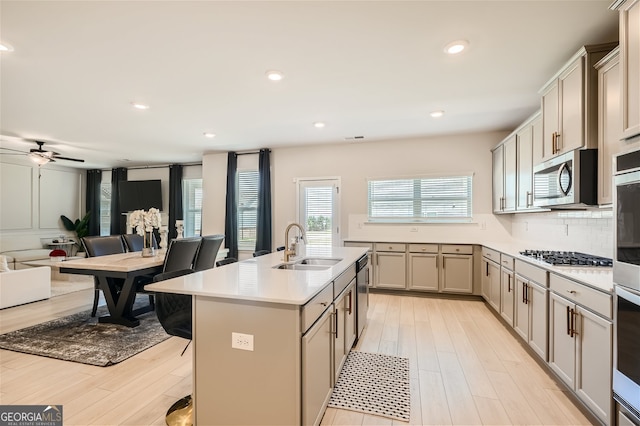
x=572 y=291
x=323 y=303
x=390 y=247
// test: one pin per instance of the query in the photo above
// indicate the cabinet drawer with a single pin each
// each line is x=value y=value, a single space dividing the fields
x=312 y=310
x=531 y=272
x=358 y=244
x=592 y=299
x=423 y=248
x=391 y=247
x=457 y=249
x=343 y=280
x=491 y=254
x=506 y=261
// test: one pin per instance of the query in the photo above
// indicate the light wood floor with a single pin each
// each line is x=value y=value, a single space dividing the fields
x=466 y=368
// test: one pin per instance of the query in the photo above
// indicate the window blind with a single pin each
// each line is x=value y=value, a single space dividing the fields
x=247 y=208
x=421 y=199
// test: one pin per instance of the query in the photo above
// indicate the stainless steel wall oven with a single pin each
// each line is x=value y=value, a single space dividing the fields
x=626 y=277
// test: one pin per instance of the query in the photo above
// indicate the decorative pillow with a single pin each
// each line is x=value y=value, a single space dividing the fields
x=3 y=264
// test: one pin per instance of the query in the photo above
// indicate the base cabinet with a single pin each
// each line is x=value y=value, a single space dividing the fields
x=457 y=273
x=580 y=353
x=344 y=328
x=530 y=318
x=391 y=266
x=507 y=295
x=491 y=279
x=316 y=369
x=423 y=271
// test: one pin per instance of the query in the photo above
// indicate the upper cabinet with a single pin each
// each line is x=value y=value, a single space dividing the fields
x=504 y=176
x=630 y=65
x=569 y=107
x=609 y=122
x=529 y=152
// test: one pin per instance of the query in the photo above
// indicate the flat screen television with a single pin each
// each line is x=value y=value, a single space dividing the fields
x=140 y=195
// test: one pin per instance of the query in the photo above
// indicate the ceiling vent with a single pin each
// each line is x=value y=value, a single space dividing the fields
x=352 y=138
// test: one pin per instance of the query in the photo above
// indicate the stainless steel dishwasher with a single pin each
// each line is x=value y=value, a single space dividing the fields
x=362 y=285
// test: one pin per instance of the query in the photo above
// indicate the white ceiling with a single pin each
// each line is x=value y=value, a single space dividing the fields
x=366 y=68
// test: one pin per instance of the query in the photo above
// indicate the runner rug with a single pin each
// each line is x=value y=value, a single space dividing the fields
x=80 y=338
x=374 y=384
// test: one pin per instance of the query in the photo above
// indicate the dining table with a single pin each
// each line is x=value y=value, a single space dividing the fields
x=127 y=268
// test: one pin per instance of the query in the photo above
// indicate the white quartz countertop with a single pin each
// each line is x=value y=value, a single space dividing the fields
x=256 y=280
x=600 y=278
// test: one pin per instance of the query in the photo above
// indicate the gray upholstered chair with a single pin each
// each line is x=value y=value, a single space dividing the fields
x=102 y=246
x=209 y=247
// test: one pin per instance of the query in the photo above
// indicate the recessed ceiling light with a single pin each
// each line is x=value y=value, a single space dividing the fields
x=274 y=75
x=209 y=135
x=4 y=47
x=138 y=105
x=319 y=124
x=437 y=114
x=456 y=47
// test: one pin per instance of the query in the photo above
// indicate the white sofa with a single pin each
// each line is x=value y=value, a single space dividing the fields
x=16 y=258
x=24 y=286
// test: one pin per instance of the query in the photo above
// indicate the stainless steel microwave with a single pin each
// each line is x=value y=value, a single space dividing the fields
x=626 y=210
x=568 y=180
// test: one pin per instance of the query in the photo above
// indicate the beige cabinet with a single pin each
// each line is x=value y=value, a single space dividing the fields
x=505 y=176
x=369 y=247
x=344 y=328
x=609 y=122
x=316 y=369
x=491 y=277
x=457 y=273
x=569 y=110
x=530 y=317
x=391 y=265
x=529 y=153
x=630 y=65
x=580 y=347
x=507 y=290
x=423 y=267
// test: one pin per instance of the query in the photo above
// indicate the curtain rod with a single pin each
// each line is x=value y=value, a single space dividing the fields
x=250 y=152
x=155 y=167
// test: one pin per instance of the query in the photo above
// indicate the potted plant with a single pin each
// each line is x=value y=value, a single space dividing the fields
x=80 y=227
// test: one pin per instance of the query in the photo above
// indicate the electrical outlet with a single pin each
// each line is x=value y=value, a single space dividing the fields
x=242 y=341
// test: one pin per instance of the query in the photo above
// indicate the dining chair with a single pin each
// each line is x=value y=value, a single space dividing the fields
x=226 y=261
x=174 y=313
x=181 y=254
x=101 y=246
x=206 y=257
x=135 y=242
x=260 y=253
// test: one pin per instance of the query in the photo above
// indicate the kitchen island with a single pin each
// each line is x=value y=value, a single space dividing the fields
x=268 y=342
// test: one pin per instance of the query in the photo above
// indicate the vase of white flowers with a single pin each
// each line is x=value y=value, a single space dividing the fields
x=144 y=223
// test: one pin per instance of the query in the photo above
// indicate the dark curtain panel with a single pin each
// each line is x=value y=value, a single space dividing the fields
x=94 y=179
x=263 y=225
x=118 y=220
x=175 y=198
x=231 y=212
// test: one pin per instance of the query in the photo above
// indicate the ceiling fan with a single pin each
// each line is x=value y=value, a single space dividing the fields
x=40 y=156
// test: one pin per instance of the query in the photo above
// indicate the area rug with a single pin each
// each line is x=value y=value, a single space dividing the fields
x=374 y=384
x=80 y=338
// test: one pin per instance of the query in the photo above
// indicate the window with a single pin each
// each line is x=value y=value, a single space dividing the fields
x=318 y=211
x=426 y=199
x=192 y=206
x=247 y=208
x=105 y=208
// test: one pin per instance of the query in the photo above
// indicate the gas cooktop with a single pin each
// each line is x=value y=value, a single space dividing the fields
x=567 y=258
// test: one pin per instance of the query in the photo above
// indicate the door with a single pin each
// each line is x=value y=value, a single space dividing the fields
x=498 y=179
x=562 y=346
x=508 y=296
x=350 y=317
x=510 y=174
x=494 y=286
x=316 y=369
x=572 y=107
x=423 y=271
x=609 y=126
x=630 y=61
x=521 y=314
x=550 y=120
x=457 y=273
x=593 y=382
x=525 y=168
x=486 y=280
x=319 y=212
x=391 y=270
x=339 y=340
x=538 y=326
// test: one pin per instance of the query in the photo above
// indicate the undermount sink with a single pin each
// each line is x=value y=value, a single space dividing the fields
x=318 y=261
x=301 y=267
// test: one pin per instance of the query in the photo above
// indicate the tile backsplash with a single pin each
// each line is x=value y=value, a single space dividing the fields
x=587 y=231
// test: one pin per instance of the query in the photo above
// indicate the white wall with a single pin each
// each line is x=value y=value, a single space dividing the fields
x=32 y=200
x=354 y=162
